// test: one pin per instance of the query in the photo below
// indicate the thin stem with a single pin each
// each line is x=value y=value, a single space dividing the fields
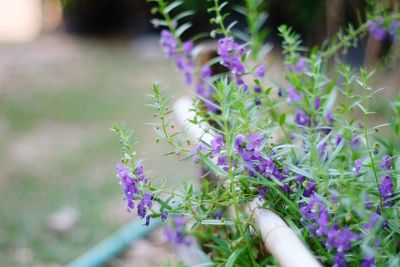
x=233 y=189
x=366 y=103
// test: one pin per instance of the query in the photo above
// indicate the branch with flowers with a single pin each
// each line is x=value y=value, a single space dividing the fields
x=301 y=144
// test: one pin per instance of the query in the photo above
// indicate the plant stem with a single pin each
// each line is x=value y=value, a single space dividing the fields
x=233 y=189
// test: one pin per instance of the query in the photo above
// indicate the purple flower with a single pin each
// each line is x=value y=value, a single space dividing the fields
x=322 y=149
x=386 y=189
x=205 y=72
x=129 y=184
x=339 y=261
x=386 y=162
x=317 y=103
x=393 y=29
x=341 y=239
x=301 y=64
x=147 y=223
x=164 y=215
x=240 y=82
x=267 y=166
x=146 y=202
x=302 y=118
x=293 y=95
x=222 y=161
x=260 y=71
x=199 y=148
x=329 y=117
x=309 y=189
x=369 y=261
x=355 y=143
x=338 y=139
x=176 y=234
x=168 y=43
x=376 y=29
x=372 y=221
x=280 y=92
x=257 y=89
x=357 y=166
x=255 y=140
x=216 y=143
x=231 y=53
x=262 y=191
x=187 y=48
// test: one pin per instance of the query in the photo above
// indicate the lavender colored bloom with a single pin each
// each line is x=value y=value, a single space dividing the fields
x=147 y=223
x=199 y=148
x=205 y=72
x=369 y=261
x=341 y=239
x=280 y=92
x=222 y=161
x=176 y=235
x=164 y=215
x=322 y=149
x=357 y=166
x=329 y=117
x=240 y=82
x=186 y=66
x=231 y=53
x=255 y=140
x=372 y=221
x=129 y=184
x=309 y=210
x=309 y=189
x=146 y=202
x=293 y=95
x=317 y=103
x=338 y=139
x=393 y=29
x=239 y=140
x=386 y=190
x=301 y=64
x=302 y=118
x=262 y=191
x=339 y=261
x=216 y=143
x=386 y=162
x=168 y=43
x=257 y=101
x=267 y=166
x=355 y=142
x=187 y=48
x=376 y=29
x=257 y=89
x=260 y=71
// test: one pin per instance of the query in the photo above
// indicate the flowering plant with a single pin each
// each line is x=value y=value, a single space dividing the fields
x=299 y=140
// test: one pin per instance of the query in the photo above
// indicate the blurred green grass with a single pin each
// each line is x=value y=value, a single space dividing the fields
x=57 y=149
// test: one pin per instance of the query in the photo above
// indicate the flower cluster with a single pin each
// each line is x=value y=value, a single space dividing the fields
x=378 y=29
x=340 y=239
x=131 y=183
x=176 y=234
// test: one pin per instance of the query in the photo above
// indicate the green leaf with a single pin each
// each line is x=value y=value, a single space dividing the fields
x=282 y=119
x=172 y=6
x=233 y=257
x=217 y=222
x=183 y=28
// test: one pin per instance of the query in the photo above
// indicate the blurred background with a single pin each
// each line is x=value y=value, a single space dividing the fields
x=68 y=72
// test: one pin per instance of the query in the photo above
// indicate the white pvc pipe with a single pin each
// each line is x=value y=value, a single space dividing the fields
x=183 y=115
x=279 y=239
